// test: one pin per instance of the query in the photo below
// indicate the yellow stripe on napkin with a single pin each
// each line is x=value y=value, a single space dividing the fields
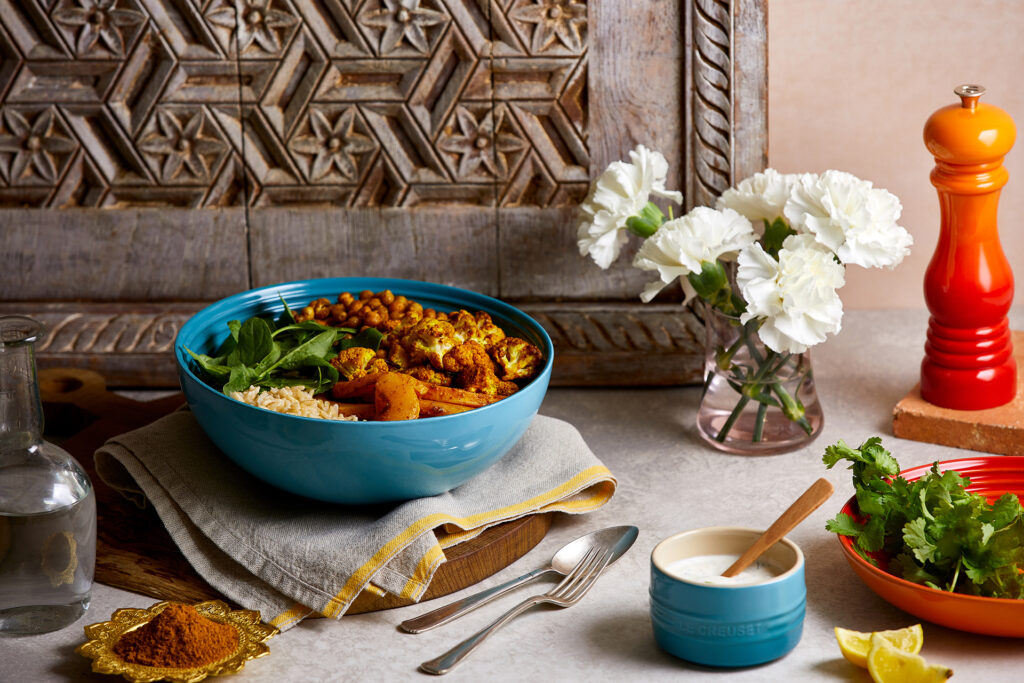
x=420 y=579
x=291 y=615
x=586 y=491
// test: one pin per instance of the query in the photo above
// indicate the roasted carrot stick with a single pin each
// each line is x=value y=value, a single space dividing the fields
x=458 y=396
x=430 y=408
x=361 y=386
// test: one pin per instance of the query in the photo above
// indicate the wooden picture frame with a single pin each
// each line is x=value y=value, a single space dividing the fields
x=115 y=233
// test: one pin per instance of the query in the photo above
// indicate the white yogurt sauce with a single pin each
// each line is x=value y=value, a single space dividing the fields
x=708 y=569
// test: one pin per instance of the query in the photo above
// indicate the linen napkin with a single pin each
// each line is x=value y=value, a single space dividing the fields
x=290 y=557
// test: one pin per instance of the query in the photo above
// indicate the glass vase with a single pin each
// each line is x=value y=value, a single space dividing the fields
x=47 y=506
x=755 y=401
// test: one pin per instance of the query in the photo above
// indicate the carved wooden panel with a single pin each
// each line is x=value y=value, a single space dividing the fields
x=213 y=103
x=158 y=154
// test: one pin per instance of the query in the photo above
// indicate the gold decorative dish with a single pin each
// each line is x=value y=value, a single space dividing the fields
x=252 y=637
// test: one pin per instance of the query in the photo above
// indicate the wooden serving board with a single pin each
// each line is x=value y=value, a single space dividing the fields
x=134 y=550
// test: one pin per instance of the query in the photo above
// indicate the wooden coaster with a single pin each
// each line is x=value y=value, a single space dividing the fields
x=995 y=430
x=134 y=550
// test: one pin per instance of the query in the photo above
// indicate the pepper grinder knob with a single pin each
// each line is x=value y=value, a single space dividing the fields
x=969 y=363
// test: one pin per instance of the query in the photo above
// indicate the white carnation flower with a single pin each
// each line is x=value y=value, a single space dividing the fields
x=850 y=217
x=762 y=196
x=679 y=246
x=620 y=192
x=795 y=295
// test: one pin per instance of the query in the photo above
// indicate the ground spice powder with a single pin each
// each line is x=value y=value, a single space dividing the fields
x=178 y=637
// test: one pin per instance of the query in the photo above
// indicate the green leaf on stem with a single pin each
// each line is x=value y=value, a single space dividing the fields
x=647 y=222
x=775 y=233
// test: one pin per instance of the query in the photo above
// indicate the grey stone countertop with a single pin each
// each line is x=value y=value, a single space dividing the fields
x=668 y=482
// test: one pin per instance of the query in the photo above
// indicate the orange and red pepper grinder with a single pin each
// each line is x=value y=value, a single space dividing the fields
x=968 y=285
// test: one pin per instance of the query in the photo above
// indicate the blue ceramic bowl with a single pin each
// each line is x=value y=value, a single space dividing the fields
x=358 y=462
x=726 y=625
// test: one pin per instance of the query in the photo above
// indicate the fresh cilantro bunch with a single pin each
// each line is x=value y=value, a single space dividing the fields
x=270 y=353
x=936 y=532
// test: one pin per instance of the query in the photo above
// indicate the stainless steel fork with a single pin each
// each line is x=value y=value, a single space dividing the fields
x=570 y=591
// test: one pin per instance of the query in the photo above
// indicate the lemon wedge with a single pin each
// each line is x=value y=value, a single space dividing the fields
x=855 y=645
x=888 y=664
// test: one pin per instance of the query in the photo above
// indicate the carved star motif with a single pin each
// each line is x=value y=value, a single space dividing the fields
x=36 y=145
x=337 y=144
x=182 y=145
x=403 y=19
x=551 y=19
x=482 y=143
x=98 y=20
x=253 y=21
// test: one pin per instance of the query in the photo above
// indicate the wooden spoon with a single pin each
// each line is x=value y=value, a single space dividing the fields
x=811 y=499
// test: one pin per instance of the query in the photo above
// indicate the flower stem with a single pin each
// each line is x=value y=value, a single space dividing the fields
x=731 y=420
x=762 y=408
x=762 y=370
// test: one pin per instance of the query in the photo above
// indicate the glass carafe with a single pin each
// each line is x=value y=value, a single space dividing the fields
x=47 y=506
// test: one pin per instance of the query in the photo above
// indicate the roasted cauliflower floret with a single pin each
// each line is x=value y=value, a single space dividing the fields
x=429 y=339
x=474 y=370
x=466 y=355
x=358 y=361
x=488 y=333
x=479 y=328
x=516 y=358
x=427 y=373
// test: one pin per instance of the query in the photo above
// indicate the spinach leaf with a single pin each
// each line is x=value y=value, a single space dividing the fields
x=287 y=317
x=369 y=338
x=255 y=341
x=241 y=378
x=214 y=366
x=308 y=353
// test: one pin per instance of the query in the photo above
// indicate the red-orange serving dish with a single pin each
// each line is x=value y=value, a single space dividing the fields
x=990 y=476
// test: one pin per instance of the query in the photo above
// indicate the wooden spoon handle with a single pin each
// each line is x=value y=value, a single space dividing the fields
x=812 y=498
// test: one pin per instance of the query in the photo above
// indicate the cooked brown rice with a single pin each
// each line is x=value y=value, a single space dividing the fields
x=291 y=401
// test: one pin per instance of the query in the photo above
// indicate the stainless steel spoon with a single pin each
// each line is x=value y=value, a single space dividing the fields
x=563 y=562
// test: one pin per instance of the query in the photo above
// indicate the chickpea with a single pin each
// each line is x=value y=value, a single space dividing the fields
x=387 y=297
x=338 y=312
x=346 y=298
x=356 y=307
x=374 y=302
x=372 y=319
x=365 y=294
x=352 y=322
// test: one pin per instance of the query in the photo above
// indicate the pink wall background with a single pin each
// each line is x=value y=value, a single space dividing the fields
x=850 y=86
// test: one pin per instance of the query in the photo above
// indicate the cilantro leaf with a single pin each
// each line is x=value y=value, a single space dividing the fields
x=934 y=530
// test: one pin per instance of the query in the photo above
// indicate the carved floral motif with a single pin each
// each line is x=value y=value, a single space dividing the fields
x=335 y=144
x=561 y=20
x=34 y=148
x=181 y=144
x=483 y=142
x=93 y=21
x=253 y=21
x=403 y=20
